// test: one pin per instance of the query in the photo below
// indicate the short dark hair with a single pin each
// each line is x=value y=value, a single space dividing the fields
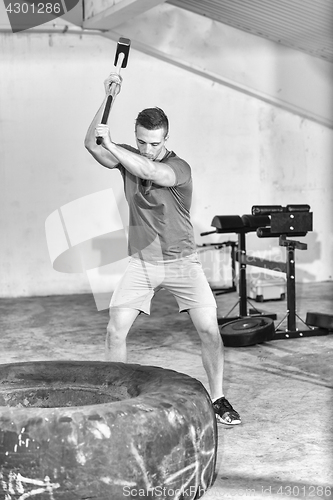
x=152 y=119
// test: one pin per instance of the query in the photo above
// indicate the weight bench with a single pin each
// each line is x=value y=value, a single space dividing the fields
x=268 y=221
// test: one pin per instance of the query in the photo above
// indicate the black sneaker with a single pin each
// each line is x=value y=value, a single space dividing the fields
x=225 y=414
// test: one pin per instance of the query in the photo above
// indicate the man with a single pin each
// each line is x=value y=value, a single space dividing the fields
x=158 y=189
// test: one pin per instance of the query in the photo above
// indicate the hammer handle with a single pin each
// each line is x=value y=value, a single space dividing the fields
x=110 y=98
x=105 y=116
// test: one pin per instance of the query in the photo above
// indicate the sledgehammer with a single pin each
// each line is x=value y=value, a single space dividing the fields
x=120 y=61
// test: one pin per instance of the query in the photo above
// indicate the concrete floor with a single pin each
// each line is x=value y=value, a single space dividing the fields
x=282 y=388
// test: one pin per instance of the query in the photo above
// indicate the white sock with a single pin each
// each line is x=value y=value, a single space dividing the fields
x=215 y=399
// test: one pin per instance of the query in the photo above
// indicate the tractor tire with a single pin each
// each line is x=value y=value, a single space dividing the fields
x=72 y=430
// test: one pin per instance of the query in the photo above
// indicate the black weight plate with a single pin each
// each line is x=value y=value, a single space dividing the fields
x=247 y=325
x=247 y=331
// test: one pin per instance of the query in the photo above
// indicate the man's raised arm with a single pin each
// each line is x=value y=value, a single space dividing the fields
x=102 y=155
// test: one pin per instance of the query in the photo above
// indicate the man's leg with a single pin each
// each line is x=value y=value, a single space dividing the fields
x=205 y=322
x=120 y=322
x=132 y=295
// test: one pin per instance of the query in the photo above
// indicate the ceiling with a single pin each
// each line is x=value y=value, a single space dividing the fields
x=304 y=25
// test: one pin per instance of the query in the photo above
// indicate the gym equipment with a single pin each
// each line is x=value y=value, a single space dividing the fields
x=120 y=61
x=247 y=331
x=73 y=429
x=320 y=319
x=268 y=221
x=233 y=247
x=241 y=226
x=269 y=288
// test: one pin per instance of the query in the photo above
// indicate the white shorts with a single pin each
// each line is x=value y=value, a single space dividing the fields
x=184 y=278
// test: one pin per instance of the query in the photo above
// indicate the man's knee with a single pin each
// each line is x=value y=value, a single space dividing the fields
x=115 y=336
x=119 y=324
x=210 y=334
x=205 y=321
x=116 y=327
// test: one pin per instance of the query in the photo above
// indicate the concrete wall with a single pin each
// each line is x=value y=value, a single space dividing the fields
x=242 y=150
x=230 y=57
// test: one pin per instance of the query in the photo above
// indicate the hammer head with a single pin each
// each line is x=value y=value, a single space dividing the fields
x=123 y=47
